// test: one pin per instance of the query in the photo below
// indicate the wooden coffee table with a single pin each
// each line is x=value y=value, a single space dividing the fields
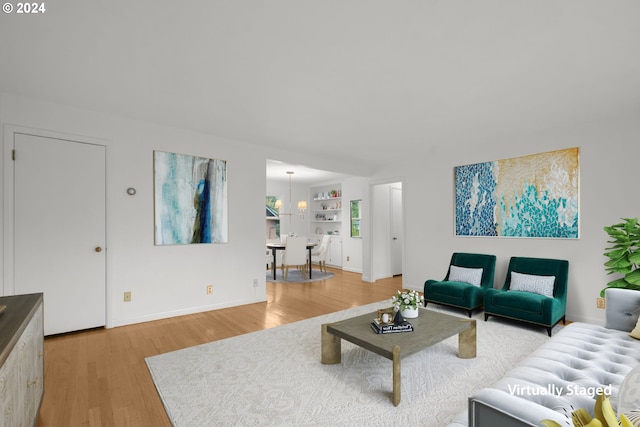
x=429 y=327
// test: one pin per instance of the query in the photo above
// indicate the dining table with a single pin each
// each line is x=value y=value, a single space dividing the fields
x=278 y=246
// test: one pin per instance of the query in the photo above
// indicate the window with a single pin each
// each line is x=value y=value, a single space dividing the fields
x=273 y=219
x=355 y=218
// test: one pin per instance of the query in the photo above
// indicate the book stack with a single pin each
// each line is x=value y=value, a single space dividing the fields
x=390 y=328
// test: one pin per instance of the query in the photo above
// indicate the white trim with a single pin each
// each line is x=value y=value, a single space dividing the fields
x=182 y=312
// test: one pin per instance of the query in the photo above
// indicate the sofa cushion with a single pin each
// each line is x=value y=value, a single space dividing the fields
x=473 y=276
x=519 y=300
x=542 y=285
x=627 y=309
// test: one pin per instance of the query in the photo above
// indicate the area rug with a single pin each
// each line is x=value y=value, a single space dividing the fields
x=274 y=377
x=295 y=276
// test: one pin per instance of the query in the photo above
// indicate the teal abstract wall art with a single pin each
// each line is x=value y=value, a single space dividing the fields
x=190 y=199
x=528 y=196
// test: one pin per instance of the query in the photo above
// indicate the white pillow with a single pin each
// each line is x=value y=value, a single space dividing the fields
x=542 y=285
x=635 y=333
x=472 y=276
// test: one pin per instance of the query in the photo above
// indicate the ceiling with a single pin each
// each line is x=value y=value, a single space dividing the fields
x=302 y=174
x=366 y=81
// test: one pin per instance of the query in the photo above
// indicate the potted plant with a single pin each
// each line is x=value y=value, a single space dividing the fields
x=407 y=302
x=624 y=254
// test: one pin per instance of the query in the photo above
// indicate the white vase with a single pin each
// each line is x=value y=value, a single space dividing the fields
x=409 y=313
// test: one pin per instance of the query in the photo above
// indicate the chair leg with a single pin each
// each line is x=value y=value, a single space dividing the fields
x=486 y=316
x=549 y=330
x=469 y=312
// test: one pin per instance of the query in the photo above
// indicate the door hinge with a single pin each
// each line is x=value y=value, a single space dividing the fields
x=13 y=154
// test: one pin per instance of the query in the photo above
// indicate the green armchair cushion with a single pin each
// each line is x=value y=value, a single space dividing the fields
x=521 y=301
x=458 y=293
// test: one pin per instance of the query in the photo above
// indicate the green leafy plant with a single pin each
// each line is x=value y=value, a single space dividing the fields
x=624 y=254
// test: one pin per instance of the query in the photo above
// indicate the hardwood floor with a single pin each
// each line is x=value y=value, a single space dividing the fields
x=99 y=377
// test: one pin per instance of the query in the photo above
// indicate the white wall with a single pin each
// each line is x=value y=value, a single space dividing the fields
x=171 y=280
x=609 y=152
x=164 y=280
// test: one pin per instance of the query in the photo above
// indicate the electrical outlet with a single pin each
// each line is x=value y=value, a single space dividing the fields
x=127 y=296
x=209 y=289
x=600 y=302
x=348 y=258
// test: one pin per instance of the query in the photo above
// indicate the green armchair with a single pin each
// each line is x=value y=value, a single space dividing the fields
x=468 y=278
x=534 y=291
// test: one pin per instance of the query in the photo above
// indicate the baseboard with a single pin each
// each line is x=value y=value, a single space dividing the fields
x=175 y=313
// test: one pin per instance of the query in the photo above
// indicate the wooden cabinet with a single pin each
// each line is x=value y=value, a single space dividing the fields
x=334 y=257
x=334 y=252
x=21 y=359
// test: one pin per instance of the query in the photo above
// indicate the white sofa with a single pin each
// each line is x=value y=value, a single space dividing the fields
x=562 y=374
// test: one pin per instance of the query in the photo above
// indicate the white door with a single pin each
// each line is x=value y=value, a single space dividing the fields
x=60 y=224
x=396 y=231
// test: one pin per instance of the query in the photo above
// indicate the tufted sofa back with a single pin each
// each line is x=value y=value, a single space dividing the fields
x=622 y=308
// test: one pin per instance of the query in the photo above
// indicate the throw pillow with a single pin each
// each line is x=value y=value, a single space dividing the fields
x=542 y=285
x=629 y=392
x=636 y=331
x=472 y=276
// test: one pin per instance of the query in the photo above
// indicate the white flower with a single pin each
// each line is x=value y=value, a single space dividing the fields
x=407 y=298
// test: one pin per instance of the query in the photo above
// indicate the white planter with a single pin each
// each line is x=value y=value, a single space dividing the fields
x=409 y=313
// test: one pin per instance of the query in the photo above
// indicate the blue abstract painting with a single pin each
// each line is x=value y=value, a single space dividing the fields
x=190 y=199
x=529 y=196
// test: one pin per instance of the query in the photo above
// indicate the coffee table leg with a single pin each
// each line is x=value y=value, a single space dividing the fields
x=396 y=375
x=467 y=340
x=331 y=348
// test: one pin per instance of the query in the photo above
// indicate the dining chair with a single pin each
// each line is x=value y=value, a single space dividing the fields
x=295 y=255
x=319 y=255
x=269 y=259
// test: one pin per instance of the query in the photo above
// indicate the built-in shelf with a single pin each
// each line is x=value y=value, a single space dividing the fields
x=326 y=219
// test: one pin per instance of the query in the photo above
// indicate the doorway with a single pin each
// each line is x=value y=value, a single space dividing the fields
x=397 y=232
x=59 y=215
x=387 y=230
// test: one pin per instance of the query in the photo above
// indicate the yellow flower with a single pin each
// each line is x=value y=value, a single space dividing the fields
x=605 y=416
